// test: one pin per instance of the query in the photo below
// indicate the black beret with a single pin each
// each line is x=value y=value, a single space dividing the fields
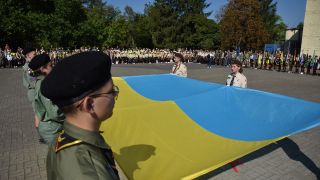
x=39 y=61
x=75 y=77
x=28 y=49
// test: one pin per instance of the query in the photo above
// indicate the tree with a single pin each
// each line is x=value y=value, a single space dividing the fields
x=242 y=26
x=219 y=15
x=141 y=32
x=272 y=21
x=118 y=33
x=73 y=23
x=279 y=33
x=130 y=14
x=139 y=29
x=181 y=24
x=20 y=20
x=163 y=19
x=94 y=31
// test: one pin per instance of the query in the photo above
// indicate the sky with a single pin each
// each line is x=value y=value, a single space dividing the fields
x=291 y=11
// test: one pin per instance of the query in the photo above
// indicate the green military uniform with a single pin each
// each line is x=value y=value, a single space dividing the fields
x=51 y=118
x=80 y=154
x=28 y=82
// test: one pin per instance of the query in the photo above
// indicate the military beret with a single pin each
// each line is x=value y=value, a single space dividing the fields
x=75 y=77
x=38 y=61
x=28 y=49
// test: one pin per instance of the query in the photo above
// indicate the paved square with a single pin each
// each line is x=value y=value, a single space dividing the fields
x=297 y=157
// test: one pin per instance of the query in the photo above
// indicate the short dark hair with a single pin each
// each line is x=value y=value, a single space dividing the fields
x=70 y=109
x=239 y=64
x=179 y=56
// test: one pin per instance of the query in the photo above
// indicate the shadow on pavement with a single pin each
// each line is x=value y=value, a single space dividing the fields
x=289 y=147
x=293 y=151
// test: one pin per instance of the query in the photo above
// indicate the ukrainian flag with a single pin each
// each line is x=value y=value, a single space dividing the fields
x=169 y=127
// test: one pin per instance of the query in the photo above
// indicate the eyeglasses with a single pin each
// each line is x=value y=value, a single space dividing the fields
x=115 y=92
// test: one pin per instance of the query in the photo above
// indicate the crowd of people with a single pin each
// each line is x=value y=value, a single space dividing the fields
x=277 y=61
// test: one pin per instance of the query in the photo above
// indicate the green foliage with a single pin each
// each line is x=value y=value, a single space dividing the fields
x=93 y=31
x=118 y=34
x=279 y=32
x=180 y=24
x=272 y=21
x=300 y=26
x=242 y=25
x=164 y=24
x=139 y=31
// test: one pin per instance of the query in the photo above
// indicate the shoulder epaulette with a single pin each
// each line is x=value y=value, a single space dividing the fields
x=64 y=141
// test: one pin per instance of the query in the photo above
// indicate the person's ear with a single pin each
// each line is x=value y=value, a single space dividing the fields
x=42 y=69
x=87 y=104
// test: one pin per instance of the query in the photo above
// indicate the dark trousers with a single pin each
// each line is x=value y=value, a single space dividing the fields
x=302 y=69
x=297 y=68
x=314 y=69
x=308 y=69
x=290 y=67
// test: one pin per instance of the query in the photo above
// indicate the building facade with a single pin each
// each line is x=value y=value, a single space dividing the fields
x=311 y=28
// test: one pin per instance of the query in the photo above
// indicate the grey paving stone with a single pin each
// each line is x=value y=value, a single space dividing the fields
x=22 y=157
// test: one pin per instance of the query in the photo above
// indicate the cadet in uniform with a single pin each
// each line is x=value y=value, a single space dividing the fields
x=51 y=118
x=179 y=68
x=28 y=81
x=308 y=64
x=236 y=78
x=302 y=61
x=82 y=87
x=314 y=65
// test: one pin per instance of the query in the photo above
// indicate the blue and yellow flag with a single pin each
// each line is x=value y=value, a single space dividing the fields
x=169 y=127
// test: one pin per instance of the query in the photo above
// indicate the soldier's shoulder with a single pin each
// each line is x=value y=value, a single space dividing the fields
x=241 y=75
x=65 y=141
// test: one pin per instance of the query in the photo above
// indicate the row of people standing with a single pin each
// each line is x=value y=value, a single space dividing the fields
x=279 y=61
x=10 y=59
x=304 y=64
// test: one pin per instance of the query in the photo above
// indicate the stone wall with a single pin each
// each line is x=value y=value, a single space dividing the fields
x=311 y=29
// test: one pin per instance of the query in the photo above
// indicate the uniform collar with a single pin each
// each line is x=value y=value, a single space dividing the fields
x=235 y=74
x=90 y=137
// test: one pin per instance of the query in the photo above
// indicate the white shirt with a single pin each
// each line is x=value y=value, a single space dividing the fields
x=239 y=80
x=180 y=70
